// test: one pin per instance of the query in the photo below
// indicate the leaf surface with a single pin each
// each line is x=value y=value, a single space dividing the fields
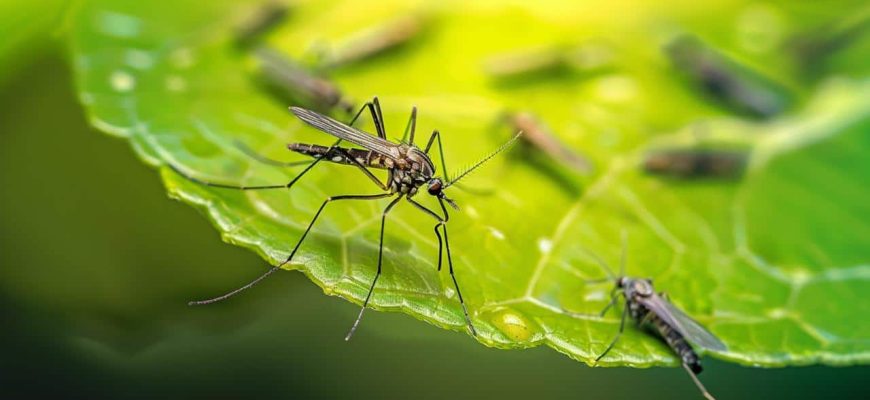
x=775 y=263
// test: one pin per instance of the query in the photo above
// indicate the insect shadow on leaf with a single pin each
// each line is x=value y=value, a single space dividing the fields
x=408 y=169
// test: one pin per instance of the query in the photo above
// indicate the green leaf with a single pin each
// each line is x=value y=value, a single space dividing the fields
x=775 y=264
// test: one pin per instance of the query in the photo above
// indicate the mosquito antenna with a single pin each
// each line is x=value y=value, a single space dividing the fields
x=624 y=237
x=484 y=160
x=603 y=264
x=698 y=383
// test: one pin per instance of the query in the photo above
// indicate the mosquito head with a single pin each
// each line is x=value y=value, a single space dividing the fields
x=621 y=282
x=435 y=186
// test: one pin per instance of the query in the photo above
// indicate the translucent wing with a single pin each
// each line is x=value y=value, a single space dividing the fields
x=682 y=323
x=345 y=132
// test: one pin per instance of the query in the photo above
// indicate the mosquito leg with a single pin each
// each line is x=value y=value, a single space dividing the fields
x=244 y=148
x=455 y=283
x=379 y=118
x=441 y=221
x=376 y=118
x=295 y=248
x=698 y=383
x=412 y=126
x=445 y=243
x=437 y=135
x=242 y=187
x=618 y=334
x=613 y=296
x=377 y=274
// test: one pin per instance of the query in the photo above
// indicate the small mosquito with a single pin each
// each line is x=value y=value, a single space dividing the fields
x=696 y=163
x=290 y=81
x=583 y=59
x=653 y=311
x=537 y=135
x=726 y=81
x=375 y=41
x=263 y=20
x=408 y=169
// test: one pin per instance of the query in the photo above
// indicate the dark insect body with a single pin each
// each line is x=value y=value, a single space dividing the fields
x=408 y=167
x=696 y=163
x=376 y=41
x=263 y=20
x=538 y=136
x=587 y=58
x=726 y=81
x=653 y=311
x=290 y=81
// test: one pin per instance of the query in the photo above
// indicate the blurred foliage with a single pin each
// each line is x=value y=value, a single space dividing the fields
x=773 y=264
x=27 y=29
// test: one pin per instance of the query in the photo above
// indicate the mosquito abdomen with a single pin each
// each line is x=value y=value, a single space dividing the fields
x=678 y=343
x=341 y=155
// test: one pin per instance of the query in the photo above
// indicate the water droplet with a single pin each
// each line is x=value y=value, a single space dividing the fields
x=176 y=83
x=449 y=292
x=496 y=233
x=512 y=324
x=139 y=59
x=545 y=245
x=122 y=81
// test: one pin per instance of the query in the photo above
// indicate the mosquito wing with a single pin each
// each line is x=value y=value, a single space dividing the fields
x=682 y=323
x=349 y=133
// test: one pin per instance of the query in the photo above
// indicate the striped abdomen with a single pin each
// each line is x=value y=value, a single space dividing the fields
x=343 y=155
x=678 y=343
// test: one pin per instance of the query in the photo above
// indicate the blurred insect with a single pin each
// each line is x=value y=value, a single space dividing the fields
x=375 y=41
x=291 y=82
x=539 y=137
x=408 y=169
x=726 y=81
x=264 y=19
x=696 y=163
x=653 y=311
x=586 y=58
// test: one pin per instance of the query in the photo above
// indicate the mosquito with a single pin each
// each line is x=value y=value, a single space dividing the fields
x=726 y=81
x=288 y=80
x=408 y=169
x=696 y=163
x=262 y=21
x=537 y=135
x=653 y=311
x=375 y=41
